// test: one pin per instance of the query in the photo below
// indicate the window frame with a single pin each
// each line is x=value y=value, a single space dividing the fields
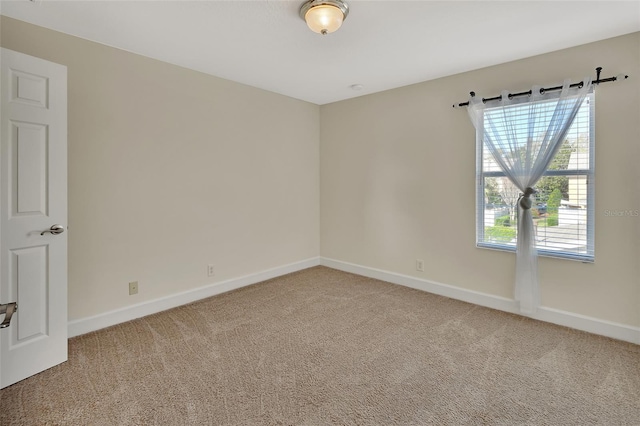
x=589 y=174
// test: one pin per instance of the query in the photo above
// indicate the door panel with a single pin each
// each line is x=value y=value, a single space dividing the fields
x=29 y=275
x=29 y=89
x=29 y=148
x=33 y=191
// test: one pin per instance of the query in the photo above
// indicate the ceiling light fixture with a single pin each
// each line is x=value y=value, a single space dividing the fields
x=324 y=16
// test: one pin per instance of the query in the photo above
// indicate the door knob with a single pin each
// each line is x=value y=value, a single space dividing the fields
x=55 y=230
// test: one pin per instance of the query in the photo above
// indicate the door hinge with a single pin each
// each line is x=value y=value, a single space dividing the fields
x=8 y=310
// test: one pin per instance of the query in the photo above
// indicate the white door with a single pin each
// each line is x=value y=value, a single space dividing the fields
x=33 y=181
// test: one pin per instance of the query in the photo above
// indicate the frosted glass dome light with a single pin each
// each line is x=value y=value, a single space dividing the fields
x=324 y=16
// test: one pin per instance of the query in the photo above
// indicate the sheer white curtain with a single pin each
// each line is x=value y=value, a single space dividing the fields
x=524 y=149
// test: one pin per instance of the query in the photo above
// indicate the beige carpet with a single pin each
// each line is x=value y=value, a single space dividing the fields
x=325 y=347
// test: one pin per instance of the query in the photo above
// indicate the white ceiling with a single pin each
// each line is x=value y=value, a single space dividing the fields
x=381 y=45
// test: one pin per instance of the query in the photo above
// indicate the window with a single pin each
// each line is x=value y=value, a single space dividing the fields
x=563 y=208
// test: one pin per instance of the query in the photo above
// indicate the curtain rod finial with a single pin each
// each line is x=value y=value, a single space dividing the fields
x=598 y=71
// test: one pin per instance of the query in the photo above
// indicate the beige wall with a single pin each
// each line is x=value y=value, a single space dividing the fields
x=171 y=169
x=398 y=173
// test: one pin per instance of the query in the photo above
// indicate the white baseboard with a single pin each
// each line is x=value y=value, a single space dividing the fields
x=568 y=319
x=107 y=319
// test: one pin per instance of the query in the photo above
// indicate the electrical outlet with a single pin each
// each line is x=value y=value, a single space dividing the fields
x=211 y=270
x=420 y=265
x=133 y=288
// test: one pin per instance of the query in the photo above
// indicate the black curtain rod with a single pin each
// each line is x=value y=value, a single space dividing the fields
x=548 y=89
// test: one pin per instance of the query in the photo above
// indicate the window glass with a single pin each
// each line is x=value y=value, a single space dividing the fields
x=563 y=207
